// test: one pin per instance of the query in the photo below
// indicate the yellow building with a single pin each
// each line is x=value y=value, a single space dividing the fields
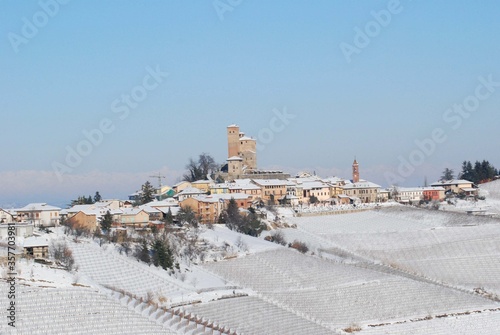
x=272 y=190
x=364 y=190
x=202 y=185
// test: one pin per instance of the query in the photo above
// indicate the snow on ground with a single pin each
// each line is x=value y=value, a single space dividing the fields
x=239 y=244
x=337 y=295
x=431 y=263
x=456 y=249
x=491 y=191
x=255 y=315
x=489 y=206
x=484 y=323
x=76 y=310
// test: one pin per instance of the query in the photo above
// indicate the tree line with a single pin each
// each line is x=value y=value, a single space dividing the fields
x=478 y=173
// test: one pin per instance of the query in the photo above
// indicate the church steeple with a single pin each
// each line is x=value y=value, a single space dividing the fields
x=355 y=171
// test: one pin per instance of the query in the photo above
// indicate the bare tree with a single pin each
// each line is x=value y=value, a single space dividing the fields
x=199 y=170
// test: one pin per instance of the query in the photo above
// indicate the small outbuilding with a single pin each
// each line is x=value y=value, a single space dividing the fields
x=36 y=247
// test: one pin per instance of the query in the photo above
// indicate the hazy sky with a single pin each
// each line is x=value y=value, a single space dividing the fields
x=99 y=95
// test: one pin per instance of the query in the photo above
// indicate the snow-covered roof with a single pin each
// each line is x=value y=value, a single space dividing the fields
x=361 y=184
x=333 y=180
x=222 y=197
x=149 y=209
x=301 y=180
x=201 y=182
x=174 y=210
x=314 y=184
x=132 y=211
x=451 y=182
x=410 y=189
x=38 y=207
x=270 y=182
x=433 y=188
x=235 y=158
x=190 y=190
x=246 y=138
x=220 y=185
x=180 y=183
x=243 y=181
x=237 y=186
x=163 y=203
x=35 y=241
x=104 y=203
x=79 y=208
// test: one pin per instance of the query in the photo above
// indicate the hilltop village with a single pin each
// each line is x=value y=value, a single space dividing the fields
x=243 y=250
x=249 y=186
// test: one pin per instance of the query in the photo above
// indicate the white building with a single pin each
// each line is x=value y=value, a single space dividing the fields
x=40 y=214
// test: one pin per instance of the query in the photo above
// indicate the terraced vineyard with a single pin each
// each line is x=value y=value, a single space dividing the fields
x=337 y=295
x=74 y=311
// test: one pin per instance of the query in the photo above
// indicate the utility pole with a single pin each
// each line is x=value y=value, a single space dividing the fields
x=159 y=176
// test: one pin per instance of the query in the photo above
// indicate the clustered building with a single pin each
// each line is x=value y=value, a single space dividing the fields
x=244 y=182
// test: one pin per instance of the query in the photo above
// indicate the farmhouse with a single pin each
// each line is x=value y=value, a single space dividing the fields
x=36 y=247
x=40 y=214
x=456 y=186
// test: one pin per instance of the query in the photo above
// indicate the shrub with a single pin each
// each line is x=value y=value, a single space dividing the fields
x=352 y=328
x=61 y=253
x=300 y=246
x=277 y=237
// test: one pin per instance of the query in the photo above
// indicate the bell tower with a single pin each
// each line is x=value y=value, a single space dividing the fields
x=355 y=171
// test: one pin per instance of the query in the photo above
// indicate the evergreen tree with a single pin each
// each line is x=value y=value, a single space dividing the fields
x=222 y=217
x=97 y=197
x=148 y=193
x=106 y=222
x=162 y=254
x=482 y=171
x=142 y=252
x=251 y=224
x=233 y=217
x=169 y=218
x=467 y=171
x=447 y=174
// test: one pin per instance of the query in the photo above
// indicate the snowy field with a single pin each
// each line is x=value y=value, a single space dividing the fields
x=392 y=270
x=336 y=295
x=491 y=191
x=75 y=310
x=453 y=248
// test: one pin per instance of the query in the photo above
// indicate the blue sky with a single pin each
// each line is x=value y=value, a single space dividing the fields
x=241 y=66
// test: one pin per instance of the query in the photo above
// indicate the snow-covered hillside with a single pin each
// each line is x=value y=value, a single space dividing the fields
x=391 y=270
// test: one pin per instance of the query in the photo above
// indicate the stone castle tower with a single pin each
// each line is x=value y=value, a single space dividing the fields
x=244 y=147
x=355 y=171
